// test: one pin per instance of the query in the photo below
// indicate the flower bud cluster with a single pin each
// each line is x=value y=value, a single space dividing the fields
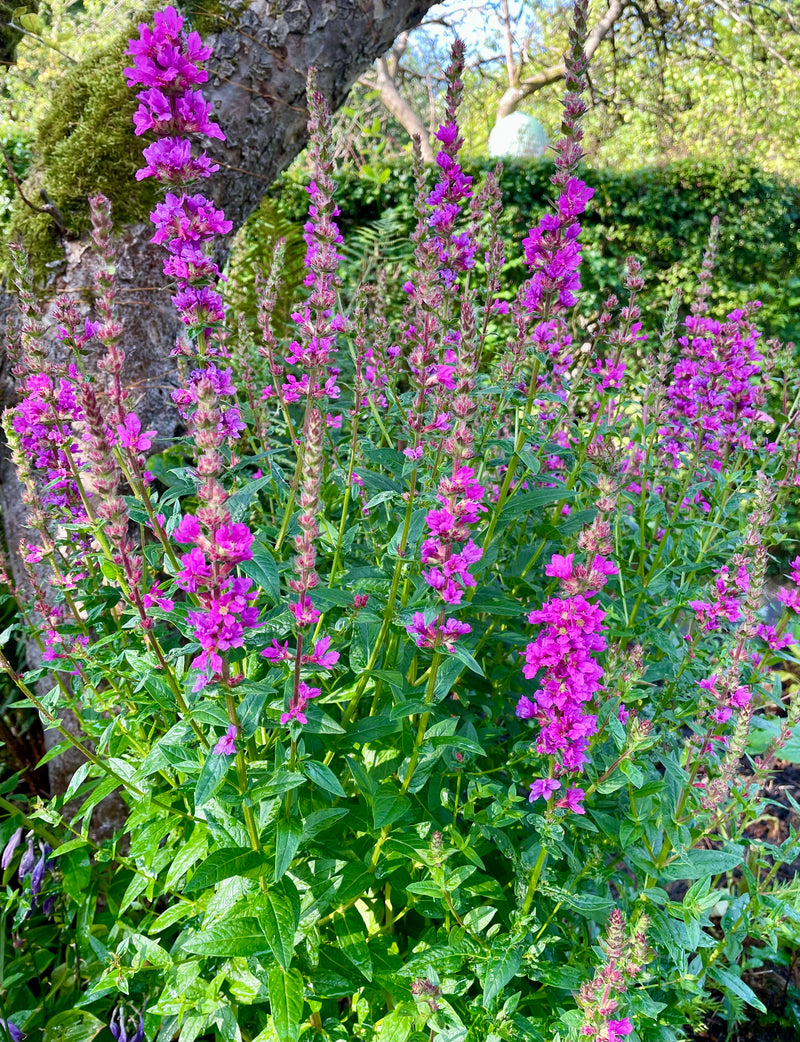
x=455 y=250
x=118 y=1028
x=226 y=608
x=165 y=62
x=32 y=870
x=106 y=477
x=571 y=676
x=305 y=564
x=715 y=394
x=318 y=321
x=109 y=329
x=598 y=999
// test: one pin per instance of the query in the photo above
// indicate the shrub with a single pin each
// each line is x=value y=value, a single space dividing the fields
x=661 y=214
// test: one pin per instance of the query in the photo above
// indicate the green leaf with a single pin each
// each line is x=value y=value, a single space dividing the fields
x=730 y=982
x=240 y=501
x=286 y=1002
x=324 y=777
x=73 y=1025
x=287 y=840
x=633 y=773
x=187 y=855
x=389 y=805
x=223 y=864
x=228 y=939
x=211 y=777
x=320 y=820
x=355 y=879
x=464 y=656
x=503 y=964
x=174 y=914
x=350 y=934
x=698 y=863
x=523 y=502
x=252 y=707
x=276 y=915
x=281 y=781
x=425 y=888
x=590 y=904
x=261 y=568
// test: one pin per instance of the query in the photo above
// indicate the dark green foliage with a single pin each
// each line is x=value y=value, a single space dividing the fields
x=660 y=214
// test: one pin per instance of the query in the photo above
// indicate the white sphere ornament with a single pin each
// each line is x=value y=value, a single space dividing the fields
x=518 y=136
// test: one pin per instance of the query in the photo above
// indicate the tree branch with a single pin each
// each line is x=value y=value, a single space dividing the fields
x=401 y=109
x=514 y=95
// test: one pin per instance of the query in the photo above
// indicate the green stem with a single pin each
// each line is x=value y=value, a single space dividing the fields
x=241 y=766
x=366 y=675
x=533 y=882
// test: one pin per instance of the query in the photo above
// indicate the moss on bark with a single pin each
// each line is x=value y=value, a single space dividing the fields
x=83 y=145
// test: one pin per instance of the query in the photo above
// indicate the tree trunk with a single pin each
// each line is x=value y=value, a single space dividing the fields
x=257 y=84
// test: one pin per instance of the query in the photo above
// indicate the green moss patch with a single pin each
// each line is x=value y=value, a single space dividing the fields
x=85 y=144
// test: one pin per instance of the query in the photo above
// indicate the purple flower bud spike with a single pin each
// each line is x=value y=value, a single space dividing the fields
x=10 y=848
x=27 y=862
x=37 y=876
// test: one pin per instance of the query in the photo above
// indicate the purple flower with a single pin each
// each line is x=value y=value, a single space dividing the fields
x=27 y=861
x=117 y=1028
x=199 y=306
x=165 y=56
x=305 y=614
x=277 y=652
x=154 y=597
x=191 y=265
x=13 y=1031
x=320 y=656
x=573 y=800
x=790 y=598
x=168 y=115
x=234 y=542
x=37 y=875
x=560 y=567
x=183 y=219
x=188 y=530
x=571 y=677
x=131 y=436
x=543 y=789
x=299 y=702
x=196 y=571
x=713 y=398
x=526 y=710
x=226 y=746
x=170 y=159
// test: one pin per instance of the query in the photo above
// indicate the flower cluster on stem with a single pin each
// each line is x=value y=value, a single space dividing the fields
x=598 y=999
x=562 y=655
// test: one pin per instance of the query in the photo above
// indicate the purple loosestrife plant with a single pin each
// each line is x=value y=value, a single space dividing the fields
x=291 y=640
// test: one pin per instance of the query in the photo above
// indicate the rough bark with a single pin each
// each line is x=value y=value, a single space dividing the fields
x=257 y=82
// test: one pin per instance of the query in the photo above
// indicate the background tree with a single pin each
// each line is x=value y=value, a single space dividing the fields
x=668 y=80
